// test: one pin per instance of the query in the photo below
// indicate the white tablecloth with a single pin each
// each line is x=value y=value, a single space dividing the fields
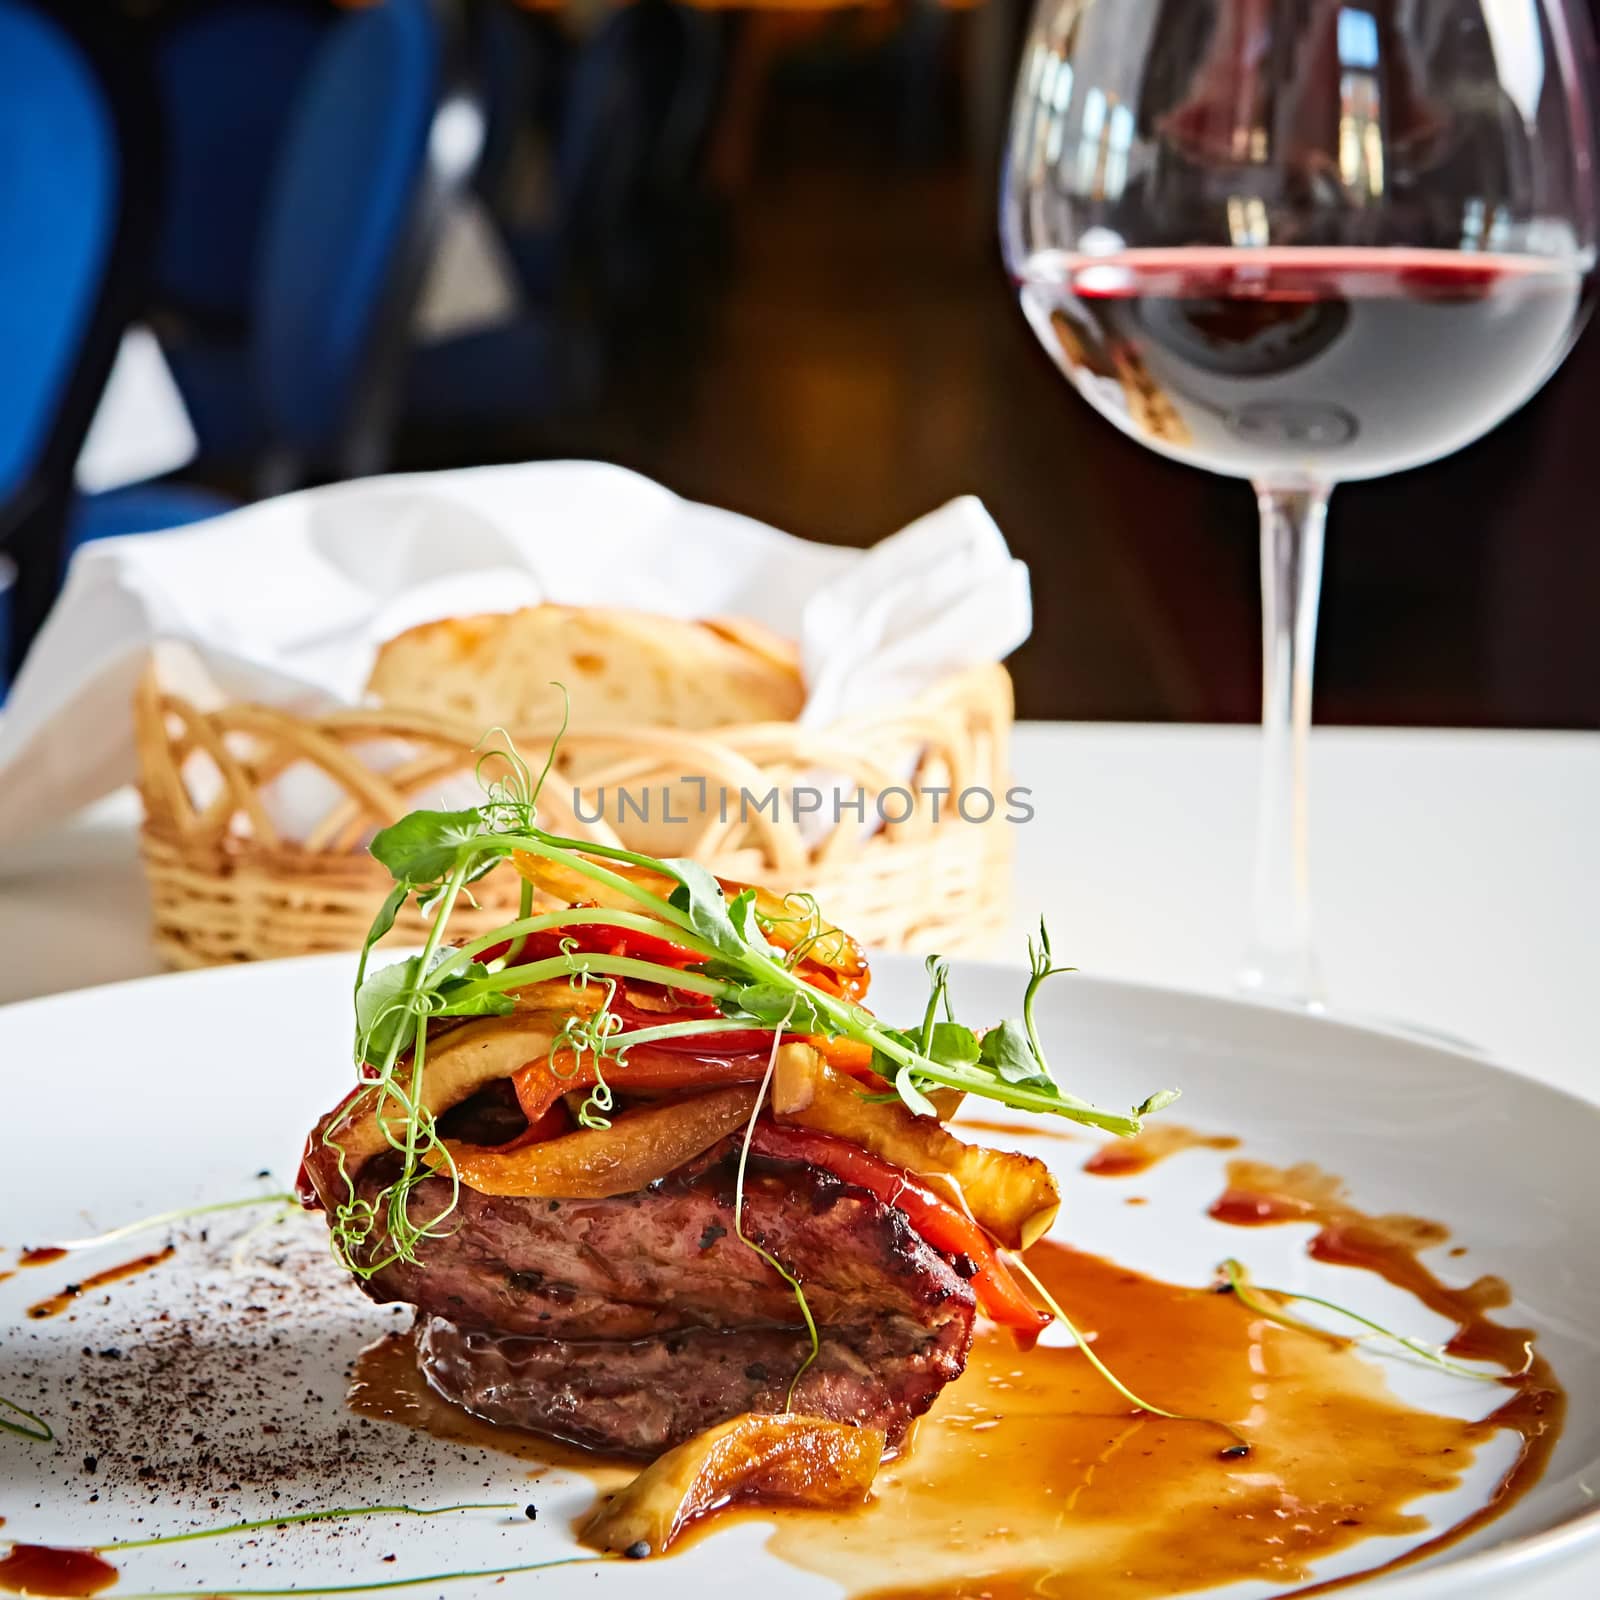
x=1455 y=879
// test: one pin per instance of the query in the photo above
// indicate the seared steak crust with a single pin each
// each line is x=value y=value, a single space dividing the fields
x=633 y=1323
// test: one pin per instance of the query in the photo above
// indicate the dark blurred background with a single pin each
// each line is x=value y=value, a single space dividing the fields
x=749 y=250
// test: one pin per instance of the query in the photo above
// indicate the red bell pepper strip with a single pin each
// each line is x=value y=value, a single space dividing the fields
x=551 y=1125
x=540 y=1085
x=596 y=938
x=1000 y=1297
x=719 y=1043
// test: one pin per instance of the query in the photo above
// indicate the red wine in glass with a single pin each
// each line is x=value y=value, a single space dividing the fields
x=1336 y=363
x=1300 y=242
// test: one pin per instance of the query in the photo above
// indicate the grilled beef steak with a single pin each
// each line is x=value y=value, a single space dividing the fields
x=633 y=1323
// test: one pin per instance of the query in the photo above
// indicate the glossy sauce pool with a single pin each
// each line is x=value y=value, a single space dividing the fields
x=41 y=1569
x=1031 y=1479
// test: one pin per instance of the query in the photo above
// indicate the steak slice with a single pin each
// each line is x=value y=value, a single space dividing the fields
x=633 y=1323
x=643 y=1396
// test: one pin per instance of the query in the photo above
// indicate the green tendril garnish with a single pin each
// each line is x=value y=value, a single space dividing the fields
x=1240 y=1445
x=163 y=1219
x=589 y=1037
x=1039 y=961
x=594 y=1112
x=816 y=941
x=335 y=1514
x=33 y=1427
x=1258 y=1299
x=765 y=1254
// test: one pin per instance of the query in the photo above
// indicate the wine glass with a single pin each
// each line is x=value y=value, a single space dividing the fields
x=1301 y=242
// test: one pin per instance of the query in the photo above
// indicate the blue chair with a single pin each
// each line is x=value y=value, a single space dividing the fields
x=72 y=132
x=292 y=304
x=228 y=76
x=293 y=273
x=149 y=507
x=623 y=113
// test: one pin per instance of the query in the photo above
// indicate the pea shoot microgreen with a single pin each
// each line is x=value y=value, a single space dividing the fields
x=752 y=1244
x=1263 y=1301
x=433 y=858
x=31 y=1427
x=295 y=1518
x=162 y=1219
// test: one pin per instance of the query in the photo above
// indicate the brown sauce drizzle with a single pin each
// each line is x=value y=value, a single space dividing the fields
x=1121 y=1158
x=42 y=1256
x=1390 y=1246
x=5 y=1275
x=57 y=1303
x=43 y=1570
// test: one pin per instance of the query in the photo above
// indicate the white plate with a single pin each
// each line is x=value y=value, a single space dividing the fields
x=131 y=1099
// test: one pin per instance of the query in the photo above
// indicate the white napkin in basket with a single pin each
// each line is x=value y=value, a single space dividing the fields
x=286 y=601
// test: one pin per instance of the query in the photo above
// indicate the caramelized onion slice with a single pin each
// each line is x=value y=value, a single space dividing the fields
x=596 y=1163
x=462 y=1058
x=462 y=1061
x=790 y=1460
x=1013 y=1197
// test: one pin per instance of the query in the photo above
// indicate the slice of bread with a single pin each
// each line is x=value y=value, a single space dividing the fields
x=617 y=667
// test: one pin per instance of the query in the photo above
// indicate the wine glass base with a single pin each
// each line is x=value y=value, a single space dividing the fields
x=1284 y=979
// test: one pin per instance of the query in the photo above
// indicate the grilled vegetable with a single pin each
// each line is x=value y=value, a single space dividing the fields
x=1014 y=1197
x=594 y=1163
x=852 y=1059
x=459 y=1063
x=797 y=1460
x=647 y=1068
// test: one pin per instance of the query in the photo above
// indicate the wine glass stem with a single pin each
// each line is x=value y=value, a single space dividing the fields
x=1280 y=962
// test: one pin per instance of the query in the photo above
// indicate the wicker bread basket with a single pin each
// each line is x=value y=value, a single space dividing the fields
x=227 y=885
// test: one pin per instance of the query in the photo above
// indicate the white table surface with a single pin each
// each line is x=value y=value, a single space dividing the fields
x=1456 y=879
